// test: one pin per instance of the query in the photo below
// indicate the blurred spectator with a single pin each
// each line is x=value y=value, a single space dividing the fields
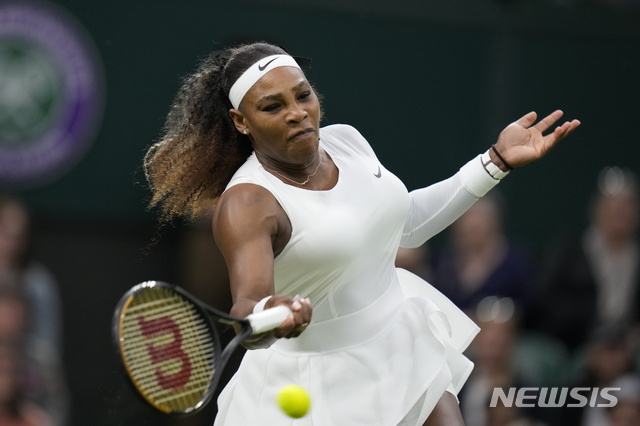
x=41 y=343
x=14 y=312
x=39 y=284
x=479 y=260
x=594 y=281
x=608 y=361
x=627 y=411
x=500 y=415
x=15 y=408
x=415 y=260
x=494 y=353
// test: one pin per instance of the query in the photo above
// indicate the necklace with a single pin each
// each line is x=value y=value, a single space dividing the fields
x=295 y=181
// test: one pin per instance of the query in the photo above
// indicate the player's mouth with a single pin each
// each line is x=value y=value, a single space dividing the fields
x=302 y=134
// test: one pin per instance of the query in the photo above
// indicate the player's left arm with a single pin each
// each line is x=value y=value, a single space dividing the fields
x=435 y=207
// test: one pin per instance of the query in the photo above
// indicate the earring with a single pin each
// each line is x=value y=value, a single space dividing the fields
x=244 y=132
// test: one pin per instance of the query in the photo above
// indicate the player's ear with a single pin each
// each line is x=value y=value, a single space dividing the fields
x=239 y=120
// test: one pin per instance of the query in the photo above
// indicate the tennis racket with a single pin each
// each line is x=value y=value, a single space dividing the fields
x=170 y=347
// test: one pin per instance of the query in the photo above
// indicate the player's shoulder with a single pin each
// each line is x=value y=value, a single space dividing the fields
x=346 y=136
x=245 y=196
x=341 y=131
x=244 y=207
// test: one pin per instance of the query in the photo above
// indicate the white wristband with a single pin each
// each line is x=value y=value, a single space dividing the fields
x=491 y=168
x=260 y=305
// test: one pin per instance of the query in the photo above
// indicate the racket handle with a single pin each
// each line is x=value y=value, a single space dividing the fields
x=268 y=319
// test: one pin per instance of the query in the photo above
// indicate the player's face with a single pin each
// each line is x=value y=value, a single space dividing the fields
x=282 y=114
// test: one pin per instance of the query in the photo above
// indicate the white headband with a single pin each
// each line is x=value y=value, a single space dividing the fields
x=255 y=72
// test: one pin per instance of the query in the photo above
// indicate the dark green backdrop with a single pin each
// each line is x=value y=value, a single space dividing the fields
x=430 y=84
x=429 y=87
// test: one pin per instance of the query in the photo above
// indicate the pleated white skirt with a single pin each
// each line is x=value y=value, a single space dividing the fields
x=386 y=365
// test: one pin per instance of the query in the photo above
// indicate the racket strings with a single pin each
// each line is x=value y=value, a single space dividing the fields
x=169 y=347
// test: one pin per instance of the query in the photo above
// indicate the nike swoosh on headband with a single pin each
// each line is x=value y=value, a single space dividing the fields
x=254 y=73
x=262 y=67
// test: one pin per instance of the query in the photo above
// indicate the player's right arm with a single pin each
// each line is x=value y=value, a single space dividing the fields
x=250 y=228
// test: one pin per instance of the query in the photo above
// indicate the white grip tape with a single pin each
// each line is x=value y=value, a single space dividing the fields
x=261 y=304
x=268 y=319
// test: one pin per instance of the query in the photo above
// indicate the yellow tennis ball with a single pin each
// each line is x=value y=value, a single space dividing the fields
x=294 y=401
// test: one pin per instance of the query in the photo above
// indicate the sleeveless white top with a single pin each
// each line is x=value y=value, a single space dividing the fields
x=383 y=344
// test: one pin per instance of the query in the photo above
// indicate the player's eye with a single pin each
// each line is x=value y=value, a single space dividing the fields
x=304 y=96
x=271 y=107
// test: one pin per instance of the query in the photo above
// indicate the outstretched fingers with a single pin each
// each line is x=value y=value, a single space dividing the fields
x=563 y=131
x=546 y=123
x=524 y=141
x=527 y=119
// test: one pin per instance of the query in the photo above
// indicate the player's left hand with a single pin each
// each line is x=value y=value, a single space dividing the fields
x=522 y=141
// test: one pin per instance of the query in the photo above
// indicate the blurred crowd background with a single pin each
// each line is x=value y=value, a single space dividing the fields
x=548 y=264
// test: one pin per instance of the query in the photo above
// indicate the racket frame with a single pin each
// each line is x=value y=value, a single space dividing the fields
x=208 y=314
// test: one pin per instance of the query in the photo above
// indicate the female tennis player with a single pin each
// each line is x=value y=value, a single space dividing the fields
x=307 y=217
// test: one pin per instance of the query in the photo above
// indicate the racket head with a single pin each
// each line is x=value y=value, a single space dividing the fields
x=168 y=345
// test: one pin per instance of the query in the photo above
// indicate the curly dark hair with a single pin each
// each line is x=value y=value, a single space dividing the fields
x=200 y=149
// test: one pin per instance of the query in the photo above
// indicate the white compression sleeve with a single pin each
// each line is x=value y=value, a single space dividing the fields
x=437 y=206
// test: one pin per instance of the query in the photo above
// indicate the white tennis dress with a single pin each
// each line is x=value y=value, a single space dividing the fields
x=383 y=344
